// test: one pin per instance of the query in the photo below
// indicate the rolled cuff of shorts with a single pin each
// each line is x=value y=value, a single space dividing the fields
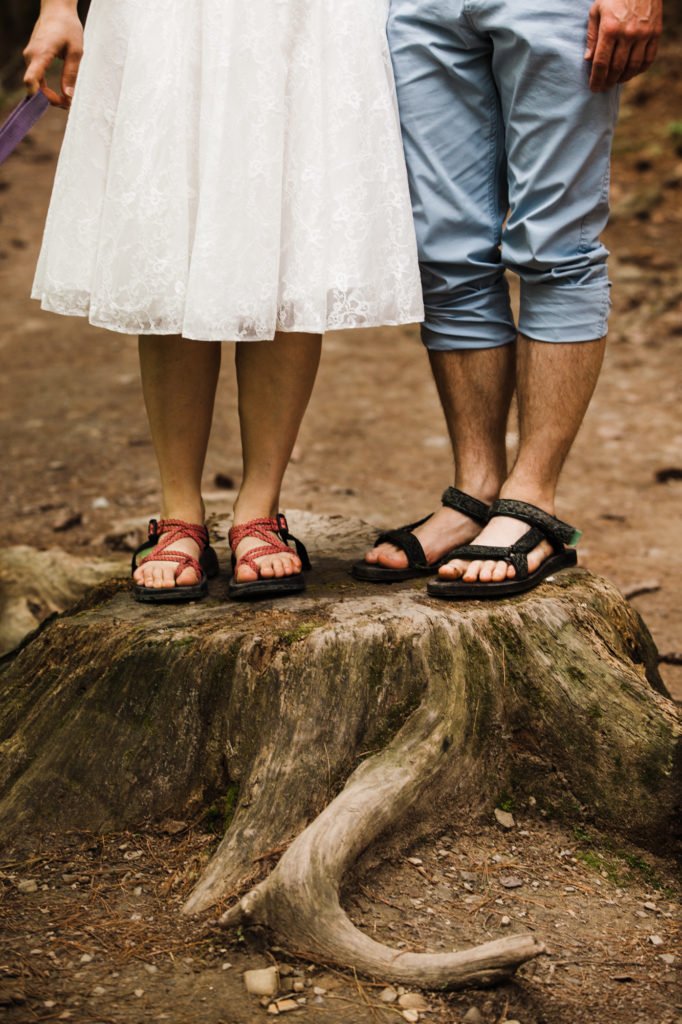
x=568 y=313
x=470 y=318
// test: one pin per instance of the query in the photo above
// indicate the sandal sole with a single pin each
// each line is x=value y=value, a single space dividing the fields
x=457 y=591
x=382 y=574
x=258 y=590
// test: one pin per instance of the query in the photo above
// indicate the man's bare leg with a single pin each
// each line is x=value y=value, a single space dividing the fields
x=475 y=389
x=179 y=380
x=554 y=384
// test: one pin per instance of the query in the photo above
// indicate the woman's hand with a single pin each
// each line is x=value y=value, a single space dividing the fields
x=622 y=40
x=57 y=33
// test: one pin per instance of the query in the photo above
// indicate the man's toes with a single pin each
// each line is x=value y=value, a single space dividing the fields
x=473 y=571
x=372 y=556
x=452 y=570
x=391 y=557
x=500 y=572
x=487 y=570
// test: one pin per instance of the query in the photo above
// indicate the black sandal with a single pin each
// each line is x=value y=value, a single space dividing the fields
x=404 y=539
x=158 y=547
x=543 y=526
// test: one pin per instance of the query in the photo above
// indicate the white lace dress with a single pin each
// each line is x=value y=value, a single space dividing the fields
x=232 y=168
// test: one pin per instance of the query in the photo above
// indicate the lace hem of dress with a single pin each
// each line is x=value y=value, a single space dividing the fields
x=344 y=311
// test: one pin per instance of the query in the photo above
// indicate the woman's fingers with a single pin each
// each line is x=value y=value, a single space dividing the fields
x=70 y=70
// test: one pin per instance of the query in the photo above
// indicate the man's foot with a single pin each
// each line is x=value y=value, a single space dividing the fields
x=501 y=531
x=446 y=529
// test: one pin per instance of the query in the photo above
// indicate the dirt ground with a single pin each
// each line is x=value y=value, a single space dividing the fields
x=100 y=939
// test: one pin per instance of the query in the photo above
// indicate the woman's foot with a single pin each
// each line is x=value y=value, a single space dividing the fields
x=163 y=574
x=270 y=566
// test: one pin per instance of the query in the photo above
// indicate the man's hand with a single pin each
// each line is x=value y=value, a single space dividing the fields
x=622 y=40
x=57 y=33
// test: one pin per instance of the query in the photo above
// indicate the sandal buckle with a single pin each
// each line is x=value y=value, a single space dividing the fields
x=153 y=530
x=282 y=525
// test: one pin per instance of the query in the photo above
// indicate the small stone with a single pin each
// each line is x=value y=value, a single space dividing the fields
x=49 y=1004
x=139 y=992
x=667 y=958
x=69 y=878
x=417 y=861
x=65 y=1015
x=132 y=855
x=284 y=970
x=412 y=1016
x=272 y=1008
x=655 y=940
x=286 y=1005
x=473 y=1016
x=100 y=502
x=67 y=522
x=98 y=991
x=137 y=891
x=298 y=986
x=388 y=994
x=468 y=876
x=27 y=885
x=511 y=882
x=224 y=481
x=413 y=1001
x=505 y=921
x=318 y=991
x=649 y=906
x=86 y=958
x=263 y=982
x=150 y=968
x=504 y=818
x=225 y=967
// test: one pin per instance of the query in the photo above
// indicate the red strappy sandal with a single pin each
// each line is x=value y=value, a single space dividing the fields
x=163 y=533
x=263 y=530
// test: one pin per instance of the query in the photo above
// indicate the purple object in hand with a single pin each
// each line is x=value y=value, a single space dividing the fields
x=20 y=121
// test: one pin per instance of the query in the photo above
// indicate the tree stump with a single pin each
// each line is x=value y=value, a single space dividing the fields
x=321 y=723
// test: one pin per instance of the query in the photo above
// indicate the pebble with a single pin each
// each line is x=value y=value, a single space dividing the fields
x=225 y=967
x=511 y=882
x=667 y=958
x=298 y=986
x=67 y=522
x=132 y=855
x=655 y=940
x=86 y=958
x=263 y=982
x=411 y=1015
x=413 y=1001
x=98 y=991
x=388 y=994
x=504 y=818
x=100 y=502
x=417 y=861
x=27 y=885
x=319 y=991
x=649 y=906
x=286 y=1005
x=139 y=992
x=473 y=1016
x=150 y=968
x=505 y=921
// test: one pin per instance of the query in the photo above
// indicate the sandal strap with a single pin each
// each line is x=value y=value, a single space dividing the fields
x=469 y=506
x=556 y=531
x=263 y=529
x=405 y=541
x=516 y=554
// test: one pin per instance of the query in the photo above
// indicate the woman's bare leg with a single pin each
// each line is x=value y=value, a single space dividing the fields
x=179 y=380
x=275 y=380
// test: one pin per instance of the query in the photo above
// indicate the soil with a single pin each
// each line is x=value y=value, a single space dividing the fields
x=79 y=464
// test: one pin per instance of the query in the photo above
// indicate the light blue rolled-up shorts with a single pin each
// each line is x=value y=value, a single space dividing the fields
x=508 y=155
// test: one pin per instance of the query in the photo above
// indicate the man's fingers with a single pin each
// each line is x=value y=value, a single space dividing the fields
x=592 y=32
x=636 y=60
x=601 y=62
x=651 y=51
x=620 y=60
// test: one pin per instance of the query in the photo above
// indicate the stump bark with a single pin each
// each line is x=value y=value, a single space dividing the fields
x=319 y=725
